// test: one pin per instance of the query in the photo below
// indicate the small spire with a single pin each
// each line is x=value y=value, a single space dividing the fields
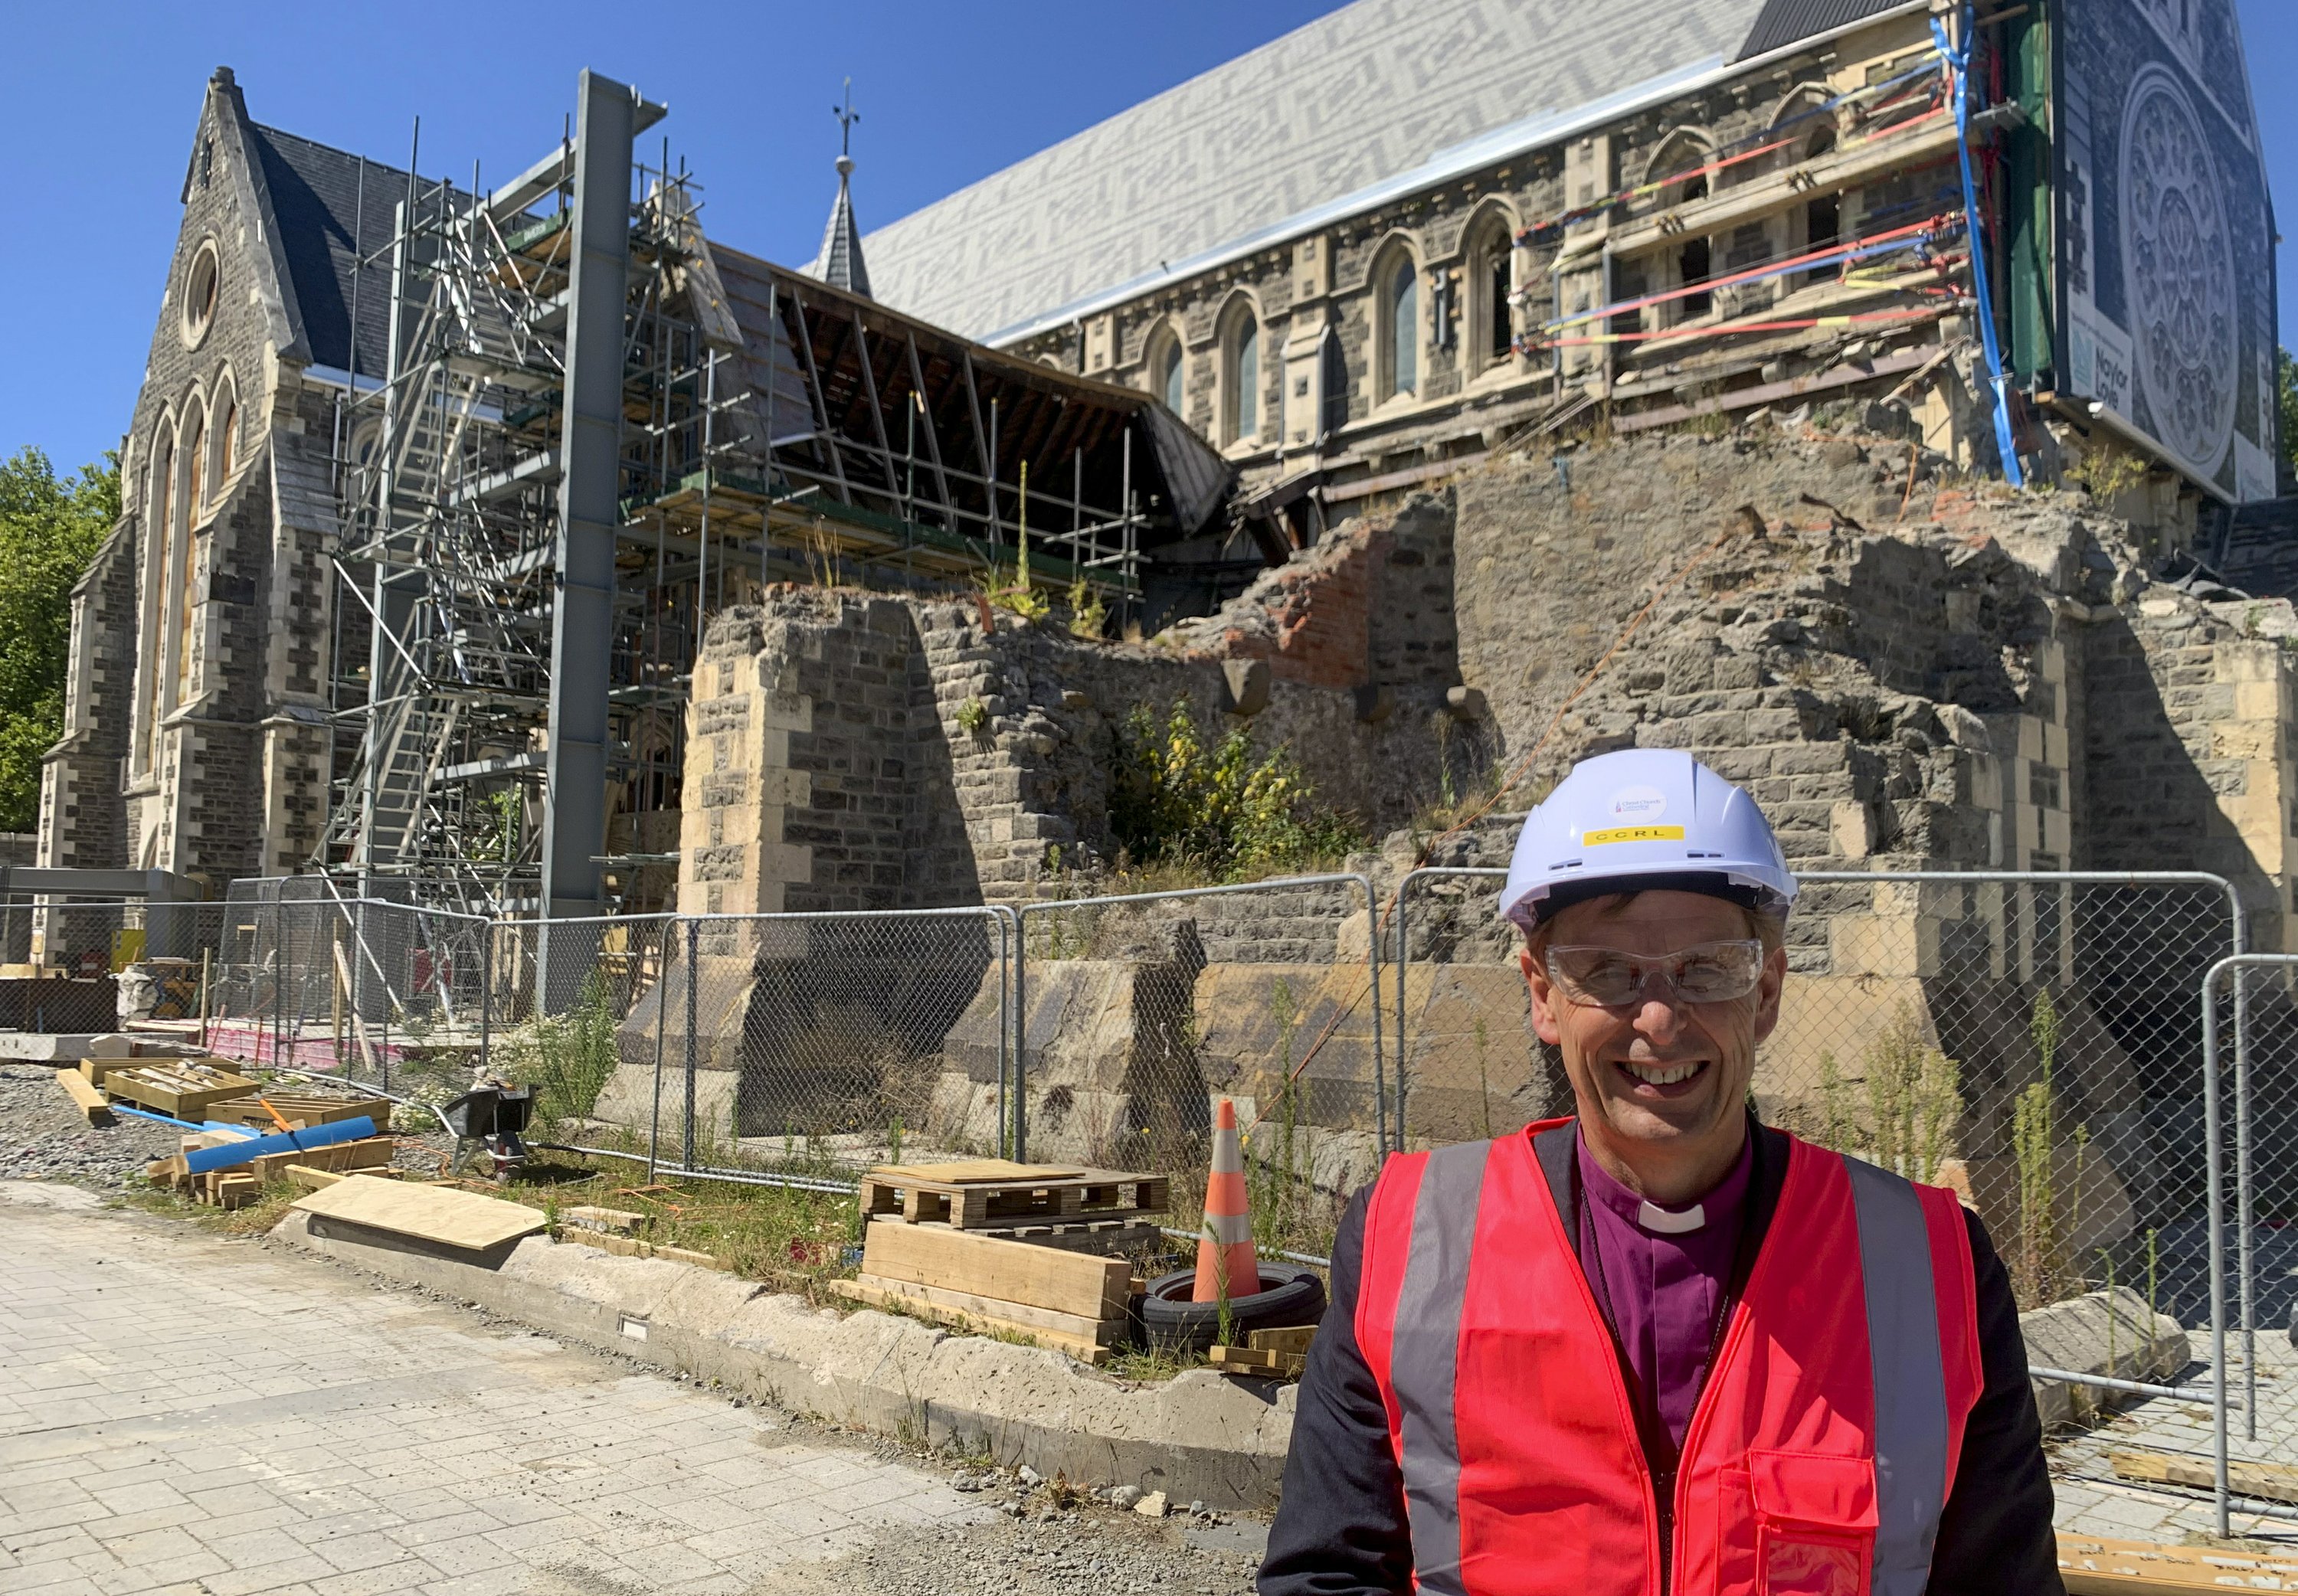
x=839 y=263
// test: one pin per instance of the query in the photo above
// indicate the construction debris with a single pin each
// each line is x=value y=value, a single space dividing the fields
x=241 y=1150
x=299 y=1111
x=1282 y=1352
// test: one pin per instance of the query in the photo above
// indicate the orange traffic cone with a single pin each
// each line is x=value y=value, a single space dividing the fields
x=1226 y=1265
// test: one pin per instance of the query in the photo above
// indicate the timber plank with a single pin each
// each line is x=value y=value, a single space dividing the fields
x=444 y=1214
x=2268 y=1482
x=909 y=1299
x=89 y=1101
x=2091 y=1567
x=1100 y=1332
x=990 y=1266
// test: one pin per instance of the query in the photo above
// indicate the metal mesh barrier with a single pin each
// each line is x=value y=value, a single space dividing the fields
x=1135 y=1013
x=2251 y=1005
x=2035 y=1042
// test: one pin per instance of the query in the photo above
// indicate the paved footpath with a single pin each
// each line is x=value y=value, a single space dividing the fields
x=180 y=1412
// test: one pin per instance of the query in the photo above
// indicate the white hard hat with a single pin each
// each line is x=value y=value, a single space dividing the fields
x=1640 y=820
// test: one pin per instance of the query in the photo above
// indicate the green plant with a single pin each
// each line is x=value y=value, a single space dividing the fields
x=1088 y=613
x=2032 y=1145
x=568 y=1057
x=1913 y=1097
x=2285 y=393
x=1484 y=1076
x=2106 y=471
x=1175 y=797
x=973 y=716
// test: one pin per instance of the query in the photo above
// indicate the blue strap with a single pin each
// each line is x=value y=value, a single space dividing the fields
x=1958 y=63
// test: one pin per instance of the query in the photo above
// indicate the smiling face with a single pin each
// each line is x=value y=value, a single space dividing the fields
x=1660 y=1082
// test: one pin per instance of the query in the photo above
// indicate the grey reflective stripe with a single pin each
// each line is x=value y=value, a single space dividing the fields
x=1911 y=1426
x=1424 y=1352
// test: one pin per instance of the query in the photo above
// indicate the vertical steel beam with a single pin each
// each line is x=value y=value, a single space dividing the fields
x=589 y=508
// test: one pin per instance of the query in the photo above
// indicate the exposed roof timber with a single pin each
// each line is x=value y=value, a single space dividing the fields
x=1536 y=132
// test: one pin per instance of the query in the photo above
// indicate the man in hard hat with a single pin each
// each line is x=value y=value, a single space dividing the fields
x=1659 y=1346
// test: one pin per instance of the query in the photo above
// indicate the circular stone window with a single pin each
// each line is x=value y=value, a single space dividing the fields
x=201 y=287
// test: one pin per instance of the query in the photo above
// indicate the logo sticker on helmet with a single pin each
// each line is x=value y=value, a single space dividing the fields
x=1639 y=804
x=1633 y=834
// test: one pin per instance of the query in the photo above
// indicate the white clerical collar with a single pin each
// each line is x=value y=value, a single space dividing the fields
x=1661 y=1222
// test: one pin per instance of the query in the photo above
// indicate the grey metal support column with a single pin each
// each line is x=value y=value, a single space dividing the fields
x=581 y=612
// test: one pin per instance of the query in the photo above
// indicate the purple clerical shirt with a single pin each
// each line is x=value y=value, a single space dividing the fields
x=1663 y=1291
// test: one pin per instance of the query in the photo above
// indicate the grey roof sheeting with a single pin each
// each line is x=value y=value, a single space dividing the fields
x=1784 y=21
x=1372 y=91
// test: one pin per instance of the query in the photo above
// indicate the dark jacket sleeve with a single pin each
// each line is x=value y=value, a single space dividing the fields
x=1996 y=1533
x=1340 y=1530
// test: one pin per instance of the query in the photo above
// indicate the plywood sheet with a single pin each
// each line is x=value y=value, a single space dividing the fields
x=443 y=1214
x=1002 y=1171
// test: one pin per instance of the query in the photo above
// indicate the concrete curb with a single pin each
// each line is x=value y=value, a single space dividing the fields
x=1201 y=1436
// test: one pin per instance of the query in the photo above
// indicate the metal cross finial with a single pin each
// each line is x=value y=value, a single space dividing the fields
x=846 y=117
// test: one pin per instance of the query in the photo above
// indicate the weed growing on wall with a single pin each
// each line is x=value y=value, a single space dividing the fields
x=1177 y=798
x=2036 y=1273
x=1914 y=1100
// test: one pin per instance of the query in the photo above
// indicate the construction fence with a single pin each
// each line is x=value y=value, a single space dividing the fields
x=2094 y=1061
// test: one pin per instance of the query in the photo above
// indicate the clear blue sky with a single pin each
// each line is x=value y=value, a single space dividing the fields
x=103 y=97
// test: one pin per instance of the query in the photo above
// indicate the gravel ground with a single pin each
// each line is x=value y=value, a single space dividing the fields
x=1039 y=1548
x=44 y=1137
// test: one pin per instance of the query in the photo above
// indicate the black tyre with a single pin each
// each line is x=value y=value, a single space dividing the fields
x=1289 y=1294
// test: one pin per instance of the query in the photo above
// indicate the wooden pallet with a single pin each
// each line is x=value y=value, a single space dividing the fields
x=300 y=1109
x=991 y=1194
x=180 y=1089
x=2268 y=1482
x=2095 y=1567
x=1106 y=1238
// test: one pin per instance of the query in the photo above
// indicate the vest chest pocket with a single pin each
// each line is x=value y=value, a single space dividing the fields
x=1814 y=1522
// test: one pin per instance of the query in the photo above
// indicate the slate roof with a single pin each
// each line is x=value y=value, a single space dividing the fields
x=1784 y=21
x=840 y=264
x=1380 y=95
x=315 y=193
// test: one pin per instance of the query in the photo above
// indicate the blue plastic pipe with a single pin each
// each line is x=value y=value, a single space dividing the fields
x=285 y=1141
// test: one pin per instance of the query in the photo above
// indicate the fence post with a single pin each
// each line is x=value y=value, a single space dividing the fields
x=1005 y=921
x=1372 y=973
x=2213 y=1162
x=1022 y=1035
x=486 y=993
x=661 y=1027
x=693 y=943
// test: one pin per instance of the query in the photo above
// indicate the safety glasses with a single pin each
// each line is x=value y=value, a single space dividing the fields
x=1606 y=978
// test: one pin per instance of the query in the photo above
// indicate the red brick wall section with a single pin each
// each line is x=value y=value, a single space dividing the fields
x=1310 y=619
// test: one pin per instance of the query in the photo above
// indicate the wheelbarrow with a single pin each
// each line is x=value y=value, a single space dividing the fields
x=490 y=1120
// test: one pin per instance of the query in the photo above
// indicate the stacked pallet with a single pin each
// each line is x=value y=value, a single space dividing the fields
x=1011 y=1249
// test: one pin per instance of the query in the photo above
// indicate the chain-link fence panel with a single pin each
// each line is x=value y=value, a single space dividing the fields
x=2035 y=1042
x=304 y=979
x=808 y=1047
x=72 y=965
x=1136 y=1013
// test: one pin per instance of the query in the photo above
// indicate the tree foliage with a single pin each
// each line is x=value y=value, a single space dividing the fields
x=1177 y=797
x=49 y=530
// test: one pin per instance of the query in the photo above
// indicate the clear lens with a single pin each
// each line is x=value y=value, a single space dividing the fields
x=1710 y=972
